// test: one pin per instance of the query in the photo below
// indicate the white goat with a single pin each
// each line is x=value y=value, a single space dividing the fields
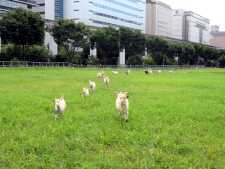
x=115 y=73
x=60 y=106
x=85 y=92
x=106 y=81
x=102 y=74
x=127 y=72
x=122 y=104
x=99 y=75
x=170 y=71
x=159 y=71
x=92 y=86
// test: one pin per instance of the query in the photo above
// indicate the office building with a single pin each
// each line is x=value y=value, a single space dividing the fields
x=189 y=26
x=159 y=18
x=218 y=39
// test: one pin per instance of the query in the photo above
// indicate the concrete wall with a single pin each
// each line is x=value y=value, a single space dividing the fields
x=52 y=45
x=50 y=9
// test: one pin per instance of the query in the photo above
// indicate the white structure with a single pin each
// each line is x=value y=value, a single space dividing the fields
x=159 y=18
x=190 y=26
x=100 y=13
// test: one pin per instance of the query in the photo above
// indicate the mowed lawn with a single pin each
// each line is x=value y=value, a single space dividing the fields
x=175 y=120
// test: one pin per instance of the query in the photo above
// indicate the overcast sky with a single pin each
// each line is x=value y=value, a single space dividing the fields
x=214 y=10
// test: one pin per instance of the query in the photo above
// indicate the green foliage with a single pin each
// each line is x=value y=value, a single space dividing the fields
x=14 y=59
x=222 y=61
x=93 y=60
x=135 y=60
x=70 y=35
x=106 y=40
x=22 y=27
x=78 y=58
x=132 y=41
x=38 y=54
x=114 y=61
x=149 y=61
x=175 y=120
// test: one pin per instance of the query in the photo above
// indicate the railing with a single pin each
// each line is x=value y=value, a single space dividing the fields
x=66 y=64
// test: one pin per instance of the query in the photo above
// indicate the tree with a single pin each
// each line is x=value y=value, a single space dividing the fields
x=132 y=41
x=72 y=36
x=106 y=40
x=22 y=27
x=222 y=61
x=135 y=60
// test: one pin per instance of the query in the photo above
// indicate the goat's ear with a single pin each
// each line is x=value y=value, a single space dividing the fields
x=127 y=96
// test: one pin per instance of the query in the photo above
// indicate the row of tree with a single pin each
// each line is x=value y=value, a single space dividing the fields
x=24 y=29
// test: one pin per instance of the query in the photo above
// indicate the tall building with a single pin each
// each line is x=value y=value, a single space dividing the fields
x=100 y=13
x=218 y=39
x=159 y=18
x=49 y=9
x=6 y=5
x=189 y=26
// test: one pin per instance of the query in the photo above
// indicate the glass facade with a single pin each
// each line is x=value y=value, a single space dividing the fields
x=117 y=18
x=116 y=10
x=58 y=9
x=124 y=5
x=12 y=4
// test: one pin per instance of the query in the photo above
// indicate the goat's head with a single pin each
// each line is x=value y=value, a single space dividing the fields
x=122 y=96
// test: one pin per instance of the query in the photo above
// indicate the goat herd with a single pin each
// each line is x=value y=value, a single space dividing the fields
x=122 y=103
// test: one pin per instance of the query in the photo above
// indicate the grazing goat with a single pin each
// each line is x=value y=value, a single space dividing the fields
x=122 y=104
x=60 y=106
x=127 y=72
x=85 y=92
x=170 y=71
x=102 y=74
x=148 y=71
x=92 y=85
x=159 y=71
x=106 y=81
x=115 y=73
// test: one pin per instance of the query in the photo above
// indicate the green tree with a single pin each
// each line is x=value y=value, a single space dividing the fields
x=222 y=61
x=72 y=36
x=22 y=27
x=106 y=40
x=135 y=60
x=132 y=41
x=94 y=60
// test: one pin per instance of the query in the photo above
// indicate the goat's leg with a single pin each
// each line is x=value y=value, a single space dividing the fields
x=126 y=116
x=121 y=115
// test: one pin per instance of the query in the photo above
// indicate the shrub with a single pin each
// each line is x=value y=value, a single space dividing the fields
x=135 y=60
x=222 y=61
x=94 y=60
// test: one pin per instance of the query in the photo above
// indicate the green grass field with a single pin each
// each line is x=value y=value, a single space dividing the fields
x=175 y=120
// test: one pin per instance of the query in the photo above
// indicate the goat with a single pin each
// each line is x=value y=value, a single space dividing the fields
x=115 y=73
x=170 y=71
x=60 y=106
x=106 y=81
x=122 y=104
x=127 y=72
x=85 y=92
x=92 y=85
x=159 y=71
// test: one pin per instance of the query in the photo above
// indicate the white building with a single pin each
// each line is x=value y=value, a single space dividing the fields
x=100 y=13
x=190 y=26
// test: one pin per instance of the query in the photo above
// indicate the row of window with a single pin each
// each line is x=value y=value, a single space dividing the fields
x=165 y=10
x=164 y=23
x=12 y=4
x=164 y=27
x=164 y=19
x=164 y=14
x=117 y=18
x=164 y=32
x=58 y=9
x=116 y=10
x=110 y=24
x=134 y=1
x=127 y=6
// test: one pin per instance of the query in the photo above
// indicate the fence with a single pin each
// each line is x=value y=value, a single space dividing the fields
x=66 y=64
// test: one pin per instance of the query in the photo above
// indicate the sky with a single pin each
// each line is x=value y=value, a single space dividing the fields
x=214 y=10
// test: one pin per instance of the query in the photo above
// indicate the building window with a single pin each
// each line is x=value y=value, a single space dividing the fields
x=121 y=4
x=58 y=9
x=116 y=10
x=117 y=18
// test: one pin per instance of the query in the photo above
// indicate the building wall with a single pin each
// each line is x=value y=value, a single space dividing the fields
x=214 y=28
x=50 y=9
x=218 y=41
x=189 y=26
x=100 y=13
x=50 y=41
x=158 y=19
